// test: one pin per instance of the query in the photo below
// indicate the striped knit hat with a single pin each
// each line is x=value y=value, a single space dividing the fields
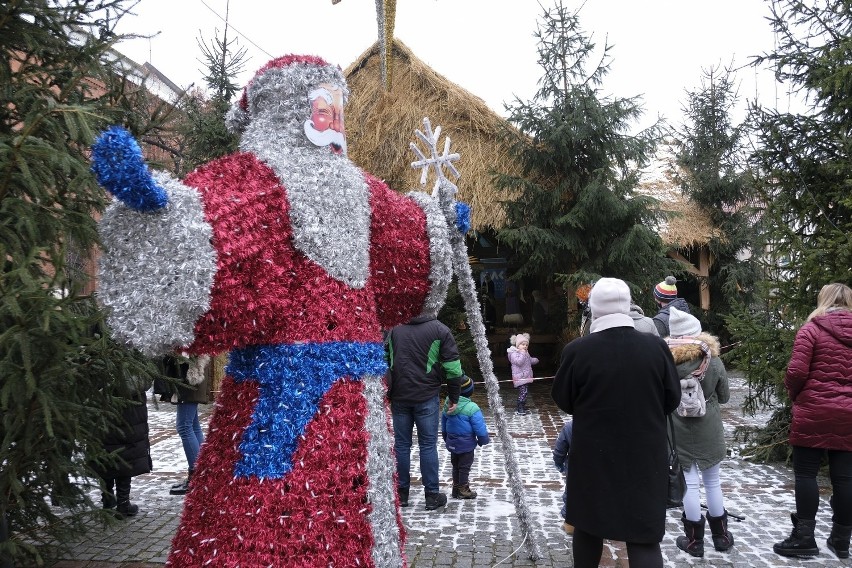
x=666 y=291
x=466 y=386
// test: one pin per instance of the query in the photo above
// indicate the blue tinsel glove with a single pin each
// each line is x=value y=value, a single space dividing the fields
x=463 y=217
x=118 y=164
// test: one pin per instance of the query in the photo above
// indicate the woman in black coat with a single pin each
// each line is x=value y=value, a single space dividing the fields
x=619 y=384
x=133 y=449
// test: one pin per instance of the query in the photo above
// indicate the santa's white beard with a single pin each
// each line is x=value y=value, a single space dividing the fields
x=328 y=197
x=327 y=137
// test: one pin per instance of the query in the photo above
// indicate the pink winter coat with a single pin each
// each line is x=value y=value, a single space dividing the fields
x=521 y=366
x=819 y=382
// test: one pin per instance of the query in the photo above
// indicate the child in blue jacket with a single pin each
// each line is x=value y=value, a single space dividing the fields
x=560 y=460
x=463 y=429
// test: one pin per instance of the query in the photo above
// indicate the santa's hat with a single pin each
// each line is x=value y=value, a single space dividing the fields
x=287 y=75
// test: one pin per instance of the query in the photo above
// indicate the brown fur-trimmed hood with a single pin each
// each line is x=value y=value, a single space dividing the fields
x=684 y=353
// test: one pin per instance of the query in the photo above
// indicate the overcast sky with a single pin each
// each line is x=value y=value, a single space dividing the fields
x=486 y=46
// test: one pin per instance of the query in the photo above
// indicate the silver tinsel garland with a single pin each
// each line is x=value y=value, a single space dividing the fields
x=441 y=272
x=157 y=270
x=446 y=191
x=381 y=467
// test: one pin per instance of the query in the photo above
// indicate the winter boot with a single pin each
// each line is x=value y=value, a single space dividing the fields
x=722 y=538
x=838 y=540
x=455 y=492
x=108 y=496
x=801 y=541
x=435 y=500
x=522 y=408
x=693 y=542
x=464 y=492
x=403 y=496
x=182 y=487
x=124 y=508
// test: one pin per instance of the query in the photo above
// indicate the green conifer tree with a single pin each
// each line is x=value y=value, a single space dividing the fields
x=205 y=134
x=805 y=162
x=59 y=378
x=713 y=158
x=576 y=215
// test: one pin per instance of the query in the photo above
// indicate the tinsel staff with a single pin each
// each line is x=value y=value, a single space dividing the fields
x=444 y=190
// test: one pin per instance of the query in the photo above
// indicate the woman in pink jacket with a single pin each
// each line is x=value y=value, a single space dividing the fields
x=819 y=382
x=522 y=375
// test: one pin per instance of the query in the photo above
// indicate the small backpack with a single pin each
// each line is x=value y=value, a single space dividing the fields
x=692 y=401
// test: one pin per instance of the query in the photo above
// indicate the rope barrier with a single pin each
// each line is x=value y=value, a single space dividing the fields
x=510 y=380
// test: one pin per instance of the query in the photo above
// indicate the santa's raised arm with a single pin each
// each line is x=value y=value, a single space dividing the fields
x=294 y=260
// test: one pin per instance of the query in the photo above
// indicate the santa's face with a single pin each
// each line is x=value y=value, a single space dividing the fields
x=325 y=126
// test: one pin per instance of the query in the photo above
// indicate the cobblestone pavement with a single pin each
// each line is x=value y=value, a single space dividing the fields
x=484 y=532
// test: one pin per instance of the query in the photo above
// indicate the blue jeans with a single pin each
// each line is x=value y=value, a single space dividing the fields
x=426 y=417
x=189 y=430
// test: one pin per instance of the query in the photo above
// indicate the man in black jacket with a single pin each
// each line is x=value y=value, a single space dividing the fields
x=422 y=354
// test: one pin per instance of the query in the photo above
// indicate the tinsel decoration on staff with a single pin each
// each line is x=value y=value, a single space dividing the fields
x=444 y=191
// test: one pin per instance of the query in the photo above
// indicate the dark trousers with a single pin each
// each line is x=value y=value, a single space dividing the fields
x=588 y=549
x=522 y=393
x=461 y=467
x=806 y=463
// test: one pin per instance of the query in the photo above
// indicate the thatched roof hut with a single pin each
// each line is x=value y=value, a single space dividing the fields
x=688 y=228
x=380 y=124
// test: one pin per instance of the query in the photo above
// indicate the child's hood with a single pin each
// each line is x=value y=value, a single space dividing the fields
x=463 y=403
x=689 y=352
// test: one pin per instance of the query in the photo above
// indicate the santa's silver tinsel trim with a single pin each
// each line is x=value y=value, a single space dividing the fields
x=156 y=272
x=440 y=252
x=380 y=470
x=236 y=119
x=328 y=196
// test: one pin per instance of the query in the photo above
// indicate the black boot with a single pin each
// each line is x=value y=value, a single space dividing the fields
x=182 y=487
x=801 y=541
x=108 y=496
x=455 y=492
x=435 y=500
x=693 y=542
x=838 y=540
x=122 y=495
x=403 y=496
x=722 y=538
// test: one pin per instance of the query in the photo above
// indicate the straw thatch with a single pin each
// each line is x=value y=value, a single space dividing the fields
x=380 y=125
x=687 y=224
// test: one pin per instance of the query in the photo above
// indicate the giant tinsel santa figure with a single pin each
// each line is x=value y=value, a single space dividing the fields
x=293 y=260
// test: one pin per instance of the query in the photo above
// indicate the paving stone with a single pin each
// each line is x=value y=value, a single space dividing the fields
x=483 y=532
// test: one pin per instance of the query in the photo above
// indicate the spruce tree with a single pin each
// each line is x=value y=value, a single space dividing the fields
x=712 y=157
x=575 y=215
x=805 y=165
x=61 y=379
x=204 y=132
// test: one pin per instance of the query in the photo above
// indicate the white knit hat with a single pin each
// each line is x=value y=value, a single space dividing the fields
x=683 y=324
x=609 y=296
